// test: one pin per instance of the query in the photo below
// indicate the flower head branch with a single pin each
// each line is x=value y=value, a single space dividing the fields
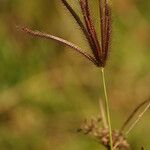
x=105 y=18
x=59 y=40
x=91 y=30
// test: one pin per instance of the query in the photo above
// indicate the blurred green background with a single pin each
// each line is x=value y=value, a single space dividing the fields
x=46 y=90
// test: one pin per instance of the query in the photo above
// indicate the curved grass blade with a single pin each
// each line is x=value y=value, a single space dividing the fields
x=132 y=114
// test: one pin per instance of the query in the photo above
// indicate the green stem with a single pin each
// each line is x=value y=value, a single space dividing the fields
x=107 y=108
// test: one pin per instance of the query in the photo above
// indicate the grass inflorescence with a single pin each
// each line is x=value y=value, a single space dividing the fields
x=100 y=48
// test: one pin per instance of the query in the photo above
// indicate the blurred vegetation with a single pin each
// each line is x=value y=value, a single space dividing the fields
x=47 y=90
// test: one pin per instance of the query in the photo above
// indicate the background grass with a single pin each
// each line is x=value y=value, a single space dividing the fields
x=47 y=90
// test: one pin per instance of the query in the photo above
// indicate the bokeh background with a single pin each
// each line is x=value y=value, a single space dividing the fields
x=46 y=90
